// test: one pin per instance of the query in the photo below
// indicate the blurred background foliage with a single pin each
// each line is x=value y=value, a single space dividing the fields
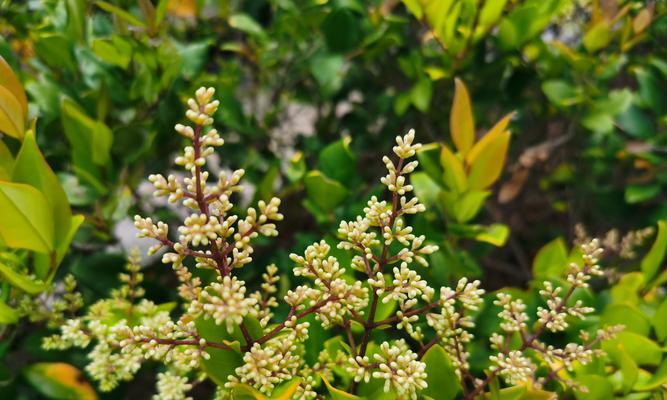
x=313 y=92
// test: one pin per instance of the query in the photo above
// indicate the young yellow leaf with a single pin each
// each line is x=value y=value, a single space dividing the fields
x=490 y=136
x=461 y=121
x=642 y=20
x=60 y=381
x=12 y=119
x=489 y=162
x=9 y=80
x=454 y=175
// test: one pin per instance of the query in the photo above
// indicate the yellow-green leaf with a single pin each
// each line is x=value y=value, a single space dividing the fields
x=491 y=135
x=641 y=21
x=454 y=175
x=7 y=314
x=60 y=381
x=653 y=260
x=337 y=394
x=9 y=80
x=489 y=163
x=31 y=168
x=286 y=389
x=21 y=281
x=12 y=119
x=461 y=121
x=27 y=220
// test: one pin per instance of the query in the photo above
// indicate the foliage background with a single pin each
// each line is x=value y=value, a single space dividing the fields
x=313 y=93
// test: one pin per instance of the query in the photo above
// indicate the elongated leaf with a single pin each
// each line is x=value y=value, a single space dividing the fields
x=337 y=394
x=461 y=121
x=443 y=384
x=324 y=192
x=12 y=118
x=59 y=381
x=21 y=281
x=27 y=220
x=490 y=136
x=120 y=13
x=490 y=162
x=653 y=260
x=9 y=80
x=454 y=176
x=31 y=168
x=286 y=390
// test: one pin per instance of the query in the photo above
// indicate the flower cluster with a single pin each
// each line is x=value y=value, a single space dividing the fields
x=221 y=315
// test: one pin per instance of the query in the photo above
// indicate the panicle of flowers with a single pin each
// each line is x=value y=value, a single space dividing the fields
x=172 y=386
x=397 y=365
x=513 y=364
x=225 y=302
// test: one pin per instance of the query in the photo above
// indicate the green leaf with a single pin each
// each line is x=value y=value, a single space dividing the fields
x=115 y=51
x=342 y=30
x=337 y=162
x=561 y=93
x=598 y=36
x=59 y=381
x=286 y=390
x=7 y=314
x=120 y=13
x=12 y=119
x=337 y=394
x=31 y=168
x=461 y=120
x=6 y=162
x=627 y=366
x=495 y=234
x=443 y=383
x=660 y=321
x=27 y=218
x=21 y=281
x=657 y=379
x=328 y=72
x=90 y=139
x=653 y=260
x=56 y=51
x=421 y=93
x=599 y=388
x=643 y=350
x=651 y=90
x=222 y=363
x=425 y=188
x=245 y=23
x=551 y=260
x=628 y=315
x=76 y=19
x=467 y=205
x=639 y=193
x=323 y=191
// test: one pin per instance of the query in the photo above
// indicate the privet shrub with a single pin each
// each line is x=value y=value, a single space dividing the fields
x=397 y=337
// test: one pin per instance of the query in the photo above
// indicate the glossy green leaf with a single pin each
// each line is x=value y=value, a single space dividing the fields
x=337 y=161
x=627 y=366
x=286 y=390
x=660 y=321
x=656 y=380
x=628 y=315
x=326 y=193
x=115 y=51
x=247 y=24
x=495 y=234
x=598 y=388
x=443 y=383
x=31 y=168
x=652 y=262
x=27 y=218
x=551 y=260
x=643 y=350
x=425 y=188
x=222 y=362
x=342 y=30
x=561 y=93
x=59 y=381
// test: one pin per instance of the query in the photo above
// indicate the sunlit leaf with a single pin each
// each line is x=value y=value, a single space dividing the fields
x=461 y=121
x=59 y=381
x=27 y=219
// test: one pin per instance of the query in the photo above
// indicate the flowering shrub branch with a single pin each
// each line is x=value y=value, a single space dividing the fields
x=267 y=357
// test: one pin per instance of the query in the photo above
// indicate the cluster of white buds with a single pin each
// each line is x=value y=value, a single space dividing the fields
x=397 y=365
x=579 y=275
x=224 y=301
x=172 y=386
x=515 y=367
